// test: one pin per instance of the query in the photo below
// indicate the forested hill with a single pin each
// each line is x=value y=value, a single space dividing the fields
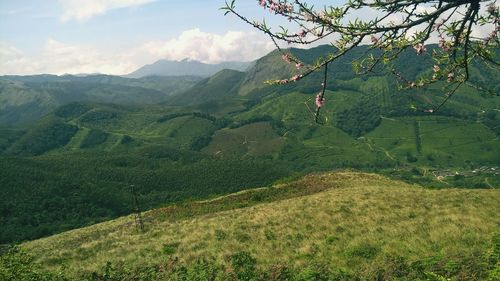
x=24 y=99
x=85 y=140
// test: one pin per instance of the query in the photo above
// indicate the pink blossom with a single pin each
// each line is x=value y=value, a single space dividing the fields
x=443 y=44
x=288 y=8
x=286 y=57
x=296 y=77
x=298 y=65
x=435 y=68
x=273 y=7
x=279 y=8
x=320 y=101
x=491 y=36
x=283 y=81
x=438 y=25
x=307 y=16
x=262 y=3
x=302 y=33
x=492 y=10
x=323 y=16
x=419 y=48
x=451 y=77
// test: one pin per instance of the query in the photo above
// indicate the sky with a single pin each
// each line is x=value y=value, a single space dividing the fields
x=119 y=36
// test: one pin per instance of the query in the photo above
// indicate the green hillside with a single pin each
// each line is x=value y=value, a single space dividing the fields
x=24 y=99
x=74 y=189
x=331 y=226
x=231 y=125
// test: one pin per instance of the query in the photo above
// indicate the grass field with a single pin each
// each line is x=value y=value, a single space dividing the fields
x=365 y=225
x=256 y=139
x=443 y=141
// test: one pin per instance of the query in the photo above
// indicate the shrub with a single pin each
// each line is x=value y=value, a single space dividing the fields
x=317 y=272
x=126 y=139
x=242 y=237
x=269 y=234
x=170 y=248
x=220 y=235
x=331 y=240
x=95 y=137
x=72 y=110
x=411 y=158
x=202 y=270
x=277 y=272
x=17 y=265
x=244 y=266
x=366 y=251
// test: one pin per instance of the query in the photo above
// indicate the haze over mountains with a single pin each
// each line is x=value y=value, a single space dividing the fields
x=24 y=99
x=185 y=67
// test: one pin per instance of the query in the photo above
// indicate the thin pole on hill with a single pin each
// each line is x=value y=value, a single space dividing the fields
x=137 y=212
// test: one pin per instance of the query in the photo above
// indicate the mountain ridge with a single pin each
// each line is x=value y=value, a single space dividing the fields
x=185 y=67
x=24 y=99
x=366 y=124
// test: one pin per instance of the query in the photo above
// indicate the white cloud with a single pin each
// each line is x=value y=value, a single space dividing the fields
x=60 y=58
x=211 y=48
x=11 y=59
x=84 y=9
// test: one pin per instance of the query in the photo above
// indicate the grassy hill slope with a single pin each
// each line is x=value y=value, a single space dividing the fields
x=344 y=225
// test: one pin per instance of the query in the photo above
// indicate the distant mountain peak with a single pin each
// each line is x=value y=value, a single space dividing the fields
x=185 y=67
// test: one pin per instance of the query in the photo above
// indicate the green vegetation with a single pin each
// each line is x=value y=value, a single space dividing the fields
x=50 y=134
x=16 y=264
x=341 y=225
x=185 y=138
x=70 y=191
x=25 y=99
x=93 y=138
x=359 y=120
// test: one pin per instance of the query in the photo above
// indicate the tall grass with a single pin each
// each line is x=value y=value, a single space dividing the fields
x=359 y=223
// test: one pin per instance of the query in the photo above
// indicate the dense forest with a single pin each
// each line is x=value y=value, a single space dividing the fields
x=74 y=165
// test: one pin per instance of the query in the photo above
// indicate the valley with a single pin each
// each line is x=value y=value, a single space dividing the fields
x=229 y=169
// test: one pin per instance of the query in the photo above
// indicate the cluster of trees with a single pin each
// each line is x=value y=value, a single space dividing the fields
x=362 y=118
x=171 y=116
x=51 y=194
x=46 y=136
x=93 y=138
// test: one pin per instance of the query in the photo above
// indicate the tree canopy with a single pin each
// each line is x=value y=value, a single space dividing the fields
x=466 y=32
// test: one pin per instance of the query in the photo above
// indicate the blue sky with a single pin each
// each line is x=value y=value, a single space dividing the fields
x=118 y=36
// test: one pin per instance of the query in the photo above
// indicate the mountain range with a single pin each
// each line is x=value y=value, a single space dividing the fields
x=79 y=150
x=70 y=146
x=185 y=67
x=24 y=99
